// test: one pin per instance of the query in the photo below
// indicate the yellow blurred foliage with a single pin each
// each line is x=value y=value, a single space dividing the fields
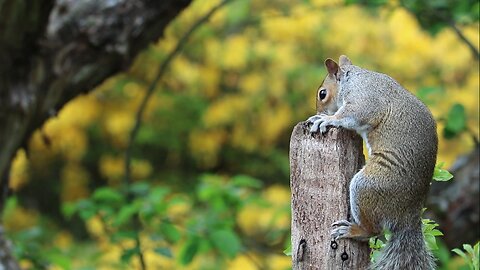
x=19 y=171
x=235 y=52
x=95 y=227
x=242 y=262
x=63 y=240
x=81 y=111
x=66 y=139
x=118 y=125
x=279 y=262
x=252 y=83
x=112 y=168
x=19 y=219
x=179 y=209
x=141 y=169
x=205 y=146
x=225 y=110
x=210 y=78
x=75 y=181
x=255 y=219
x=273 y=122
x=277 y=195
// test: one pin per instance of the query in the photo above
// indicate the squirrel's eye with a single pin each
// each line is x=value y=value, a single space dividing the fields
x=322 y=94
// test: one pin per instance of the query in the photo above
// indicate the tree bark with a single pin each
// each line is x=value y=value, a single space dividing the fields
x=321 y=167
x=52 y=51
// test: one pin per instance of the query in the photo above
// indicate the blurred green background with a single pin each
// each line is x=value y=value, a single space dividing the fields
x=210 y=164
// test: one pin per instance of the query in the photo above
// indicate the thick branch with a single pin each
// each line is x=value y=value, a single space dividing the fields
x=46 y=63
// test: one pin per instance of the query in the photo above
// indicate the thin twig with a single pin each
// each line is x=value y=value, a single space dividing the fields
x=460 y=34
x=152 y=86
x=141 y=110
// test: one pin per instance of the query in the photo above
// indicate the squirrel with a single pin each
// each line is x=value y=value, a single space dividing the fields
x=401 y=138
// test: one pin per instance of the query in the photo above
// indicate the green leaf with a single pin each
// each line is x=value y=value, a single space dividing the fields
x=376 y=3
x=461 y=254
x=87 y=214
x=189 y=250
x=226 y=242
x=126 y=213
x=288 y=250
x=123 y=234
x=440 y=174
x=164 y=251
x=170 y=232
x=436 y=232
x=10 y=206
x=68 y=209
x=430 y=95
x=246 y=181
x=238 y=11
x=376 y=243
x=107 y=195
x=351 y=2
x=140 y=188
x=129 y=253
x=468 y=248
x=375 y=255
x=456 y=121
x=158 y=194
x=431 y=242
x=58 y=259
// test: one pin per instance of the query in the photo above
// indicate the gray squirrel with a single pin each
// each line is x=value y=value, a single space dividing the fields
x=401 y=138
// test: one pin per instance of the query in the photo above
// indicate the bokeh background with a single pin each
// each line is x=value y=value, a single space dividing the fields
x=210 y=164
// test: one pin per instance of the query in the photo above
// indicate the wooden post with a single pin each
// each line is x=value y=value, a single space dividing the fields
x=321 y=167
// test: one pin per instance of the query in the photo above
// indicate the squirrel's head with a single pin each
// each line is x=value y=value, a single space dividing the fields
x=327 y=92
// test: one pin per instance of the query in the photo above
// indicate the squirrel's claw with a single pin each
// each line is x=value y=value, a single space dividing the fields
x=340 y=232
x=342 y=229
x=341 y=223
x=316 y=122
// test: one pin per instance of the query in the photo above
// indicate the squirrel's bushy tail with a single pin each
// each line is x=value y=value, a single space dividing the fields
x=406 y=250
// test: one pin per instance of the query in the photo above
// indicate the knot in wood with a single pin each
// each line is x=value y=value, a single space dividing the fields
x=334 y=245
x=344 y=256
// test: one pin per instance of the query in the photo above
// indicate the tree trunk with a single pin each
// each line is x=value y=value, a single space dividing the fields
x=321 y=167
x=52 y=51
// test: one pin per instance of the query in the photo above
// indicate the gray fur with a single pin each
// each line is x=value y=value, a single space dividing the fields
x=405 y=250
x=390 y=190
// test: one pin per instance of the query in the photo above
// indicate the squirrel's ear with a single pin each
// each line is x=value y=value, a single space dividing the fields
x=344 y=61
x=331 y=66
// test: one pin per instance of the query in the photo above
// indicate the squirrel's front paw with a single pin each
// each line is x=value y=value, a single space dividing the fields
x=316 y=122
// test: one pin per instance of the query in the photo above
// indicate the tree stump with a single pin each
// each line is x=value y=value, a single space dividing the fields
x=321 y=167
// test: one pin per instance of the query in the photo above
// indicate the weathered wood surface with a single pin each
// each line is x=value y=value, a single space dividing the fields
x=321 y=167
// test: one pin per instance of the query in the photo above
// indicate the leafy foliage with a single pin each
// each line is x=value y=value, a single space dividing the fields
x=209 y=229
x=434 y=15
x=440 y=174
x=430 y=233
x=470 y=255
